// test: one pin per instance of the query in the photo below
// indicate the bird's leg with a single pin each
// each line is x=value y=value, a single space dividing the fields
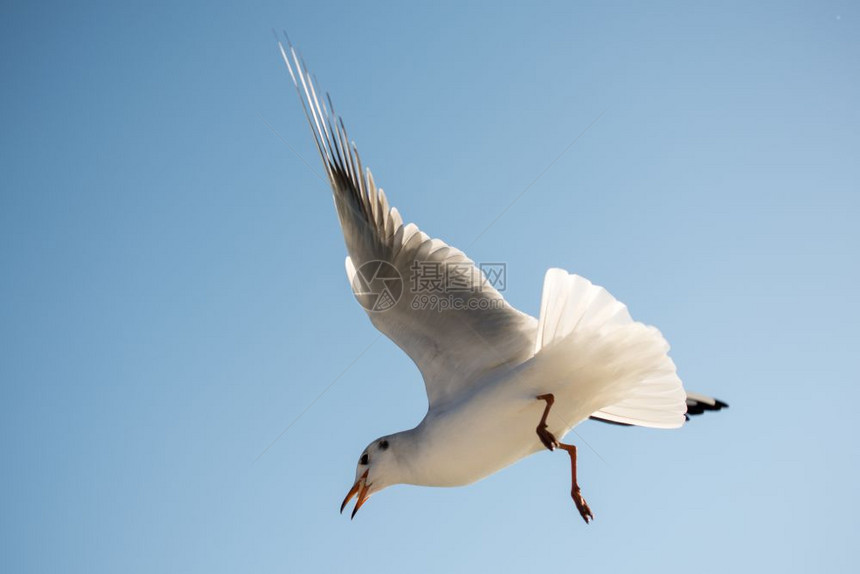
x=575 y=492
x=544 y=435
x=549 y=441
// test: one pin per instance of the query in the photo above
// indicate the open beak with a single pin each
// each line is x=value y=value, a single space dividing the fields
x=360 y=487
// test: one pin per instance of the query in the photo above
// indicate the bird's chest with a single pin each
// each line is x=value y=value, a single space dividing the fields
x=471 y=441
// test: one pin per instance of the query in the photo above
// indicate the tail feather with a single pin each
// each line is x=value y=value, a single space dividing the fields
x=635 y=382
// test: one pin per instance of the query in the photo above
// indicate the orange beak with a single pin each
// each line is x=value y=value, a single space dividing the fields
x=361 y=487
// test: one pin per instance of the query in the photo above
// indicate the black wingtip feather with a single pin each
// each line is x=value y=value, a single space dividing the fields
x=695 y=407
x=616 y=423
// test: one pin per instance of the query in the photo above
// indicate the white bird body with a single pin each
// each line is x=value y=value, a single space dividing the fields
x=472 y=438
x=501 y=385
x=491 y=423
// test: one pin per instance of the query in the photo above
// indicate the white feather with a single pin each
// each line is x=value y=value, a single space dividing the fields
x=621 y=366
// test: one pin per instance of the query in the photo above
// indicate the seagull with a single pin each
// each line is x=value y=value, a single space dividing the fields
x=501 y=385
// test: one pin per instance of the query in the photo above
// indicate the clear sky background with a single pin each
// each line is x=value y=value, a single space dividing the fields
x=173 y=297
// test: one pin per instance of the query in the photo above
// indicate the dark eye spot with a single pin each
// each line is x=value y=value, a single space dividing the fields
x=363 y=460
x=383 y=444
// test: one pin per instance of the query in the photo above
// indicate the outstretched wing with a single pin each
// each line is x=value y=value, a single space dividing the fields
x=696 y=405
x=426 y=296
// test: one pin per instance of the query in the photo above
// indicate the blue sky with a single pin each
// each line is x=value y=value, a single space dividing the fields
x=173 y=293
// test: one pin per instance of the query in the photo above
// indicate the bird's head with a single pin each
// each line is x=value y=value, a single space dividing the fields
x=378 y=467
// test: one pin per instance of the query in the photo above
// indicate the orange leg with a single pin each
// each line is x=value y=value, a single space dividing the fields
x=551 y=443
x=544 y=435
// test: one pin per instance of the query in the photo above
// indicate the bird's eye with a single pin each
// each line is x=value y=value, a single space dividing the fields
x=383 y=444
x=363 y=460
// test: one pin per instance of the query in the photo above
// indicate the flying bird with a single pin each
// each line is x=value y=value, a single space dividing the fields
x=501 y=385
